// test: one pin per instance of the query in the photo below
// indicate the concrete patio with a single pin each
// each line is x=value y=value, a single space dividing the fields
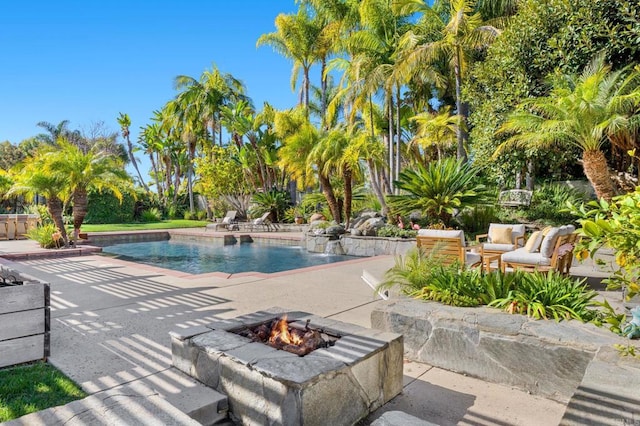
x=110 y=333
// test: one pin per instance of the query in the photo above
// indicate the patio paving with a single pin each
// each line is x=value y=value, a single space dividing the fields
x=110 y=322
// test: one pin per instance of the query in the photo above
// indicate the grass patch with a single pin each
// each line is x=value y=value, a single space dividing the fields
x=165 y=224
x=29 y=388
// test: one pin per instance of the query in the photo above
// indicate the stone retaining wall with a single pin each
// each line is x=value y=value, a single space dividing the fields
x=359 y=246
x=543 y=357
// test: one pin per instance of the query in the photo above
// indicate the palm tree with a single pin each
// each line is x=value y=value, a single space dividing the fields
x=81 y=171
x=54 y=131
x=438 y=190
x=436 y=129
x=125 y=122
x=33 y=179
x=464 y=33
x=300 y=38
x=581 y=111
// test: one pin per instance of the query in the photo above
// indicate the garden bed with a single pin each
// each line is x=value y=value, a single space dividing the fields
x=543 y=357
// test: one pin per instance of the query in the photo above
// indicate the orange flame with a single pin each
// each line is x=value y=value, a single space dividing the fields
x=280 y=334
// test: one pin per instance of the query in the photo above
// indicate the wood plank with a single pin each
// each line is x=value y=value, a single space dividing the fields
x=17 y=351
x=23 y=323
x=22 y=297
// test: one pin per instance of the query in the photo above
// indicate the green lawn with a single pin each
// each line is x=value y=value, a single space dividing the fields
x=34 y=387
x=165 y=224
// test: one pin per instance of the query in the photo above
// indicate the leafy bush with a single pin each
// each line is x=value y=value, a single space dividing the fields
x=394 y=231
x=438 y=190
x=41 y=210
x=550 y=295
x=201 y=214
x=548 y=205
x=45 y=235
x=476 y=220
x=273 y=201
x=151 y=215
x=104 y=207
x=189 y=215
x=541 y=296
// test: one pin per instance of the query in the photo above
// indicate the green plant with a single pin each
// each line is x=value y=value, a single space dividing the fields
x=613 y=225
x=550 y=295
x=151 y=215
x=627 y=350
x=454 y=286
x=47 y=236
x=411 y=272
x=201 y=214
x=476 y=219
x=394 y=231
x=608 y=315
x=438 y=190
x=497 y=285
x=189 y=215
x=29 y=388
x=289 y=215
x=40 y=210
x=274 y=201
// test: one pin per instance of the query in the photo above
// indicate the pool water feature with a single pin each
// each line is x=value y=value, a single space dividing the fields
x=199 y=258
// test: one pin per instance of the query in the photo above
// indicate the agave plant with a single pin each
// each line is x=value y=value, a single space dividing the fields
x=438 y=190
x=273 y=201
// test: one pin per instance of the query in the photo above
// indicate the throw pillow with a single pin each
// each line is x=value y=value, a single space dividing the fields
x=534 y=241
x=226 y=220
x=549 y=242
x=501 y=235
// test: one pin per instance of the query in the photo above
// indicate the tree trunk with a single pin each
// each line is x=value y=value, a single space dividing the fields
x=55 y=208
x=376 y=185
x=460 y=132
x=327 y=191
x=396 y=176
x=390 y=142
x=347 y=175
x=530 y=176
x=596 y=169
x=80 y=204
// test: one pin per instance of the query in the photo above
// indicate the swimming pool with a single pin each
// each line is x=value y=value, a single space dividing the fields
x=200 y=258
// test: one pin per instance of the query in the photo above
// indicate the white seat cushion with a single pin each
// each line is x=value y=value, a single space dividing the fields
x=471 y=258
x=521 y=255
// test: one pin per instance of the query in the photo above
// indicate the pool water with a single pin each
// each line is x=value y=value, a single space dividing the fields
x=200 y=258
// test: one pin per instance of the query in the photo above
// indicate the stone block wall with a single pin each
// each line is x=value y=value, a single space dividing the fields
x=546 y=358
x=360 y=246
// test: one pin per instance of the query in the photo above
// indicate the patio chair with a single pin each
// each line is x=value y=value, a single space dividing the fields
x=501 y=238
x=449 y=246
x=228 y=221
x=549 y=249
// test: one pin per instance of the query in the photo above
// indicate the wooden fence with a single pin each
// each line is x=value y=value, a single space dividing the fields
x=25 y=323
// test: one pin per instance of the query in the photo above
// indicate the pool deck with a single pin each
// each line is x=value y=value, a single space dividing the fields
x=110 y=322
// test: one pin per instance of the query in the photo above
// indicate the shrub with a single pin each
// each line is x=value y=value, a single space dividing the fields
x=201 y=214
x=274 y=201
x=394 y=231
x=45 y=236
x=550 y=295
x=476 y=220
x=151 y=215
x=189 y=215
x=104 y=207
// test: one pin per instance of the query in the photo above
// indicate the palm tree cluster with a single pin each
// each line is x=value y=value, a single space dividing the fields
x=387 y=113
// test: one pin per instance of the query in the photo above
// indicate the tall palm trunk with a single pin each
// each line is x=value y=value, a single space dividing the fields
x=80 y=204
x=348 y=194
x=460 y=131
x=327 y=191
x=398 y=133
x=596 y=169
x=135 y=162
x=55 y=208
x=390 y=143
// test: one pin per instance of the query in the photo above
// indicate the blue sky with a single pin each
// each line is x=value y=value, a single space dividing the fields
x=87 y=61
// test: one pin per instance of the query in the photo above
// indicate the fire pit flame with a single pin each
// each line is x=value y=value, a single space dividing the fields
x=280 y=335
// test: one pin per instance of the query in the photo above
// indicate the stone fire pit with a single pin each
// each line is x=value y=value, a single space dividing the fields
x=337 y=385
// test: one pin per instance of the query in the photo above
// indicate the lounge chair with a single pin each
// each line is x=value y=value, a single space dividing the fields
x=264 y=222
x=228 y=221
x=449 y=246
